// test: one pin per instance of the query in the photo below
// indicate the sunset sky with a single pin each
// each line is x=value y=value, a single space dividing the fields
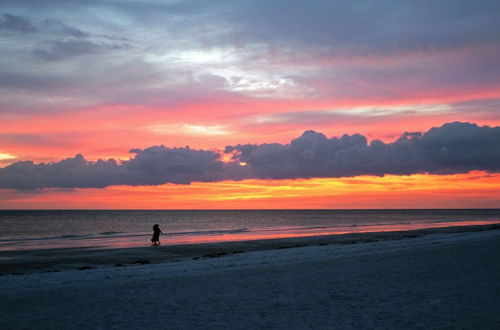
x=249 y=104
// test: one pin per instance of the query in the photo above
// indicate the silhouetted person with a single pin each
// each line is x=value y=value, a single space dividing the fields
x=156 y=235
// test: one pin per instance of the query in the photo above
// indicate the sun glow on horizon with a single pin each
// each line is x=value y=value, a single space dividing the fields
x=5 y=156
x=476 y=189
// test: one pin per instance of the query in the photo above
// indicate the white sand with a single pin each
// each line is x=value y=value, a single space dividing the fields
x=435 y=281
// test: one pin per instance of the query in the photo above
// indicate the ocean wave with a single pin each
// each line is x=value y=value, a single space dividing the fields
x=120 y=235
x=108 y=233
x=116 y=235
x=46 y=238
x=208 y=232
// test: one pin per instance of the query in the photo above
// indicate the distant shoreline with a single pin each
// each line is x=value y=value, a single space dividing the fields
x=60 y=259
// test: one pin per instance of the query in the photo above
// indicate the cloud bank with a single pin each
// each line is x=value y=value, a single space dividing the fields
x=452 y=148
x=151 y=166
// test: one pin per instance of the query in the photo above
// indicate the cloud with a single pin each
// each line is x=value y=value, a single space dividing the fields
x=330 y=50
x=151 y=166
x=489 y=107
x=365 y=27
x=159 y=164
x=59 y=27
x=32 y=81
x=353 y=114
x=64 y=49
x=452 y=148
x=187 y=129
x=16 y=23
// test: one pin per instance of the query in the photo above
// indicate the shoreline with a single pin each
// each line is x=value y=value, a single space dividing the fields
x=61 y=259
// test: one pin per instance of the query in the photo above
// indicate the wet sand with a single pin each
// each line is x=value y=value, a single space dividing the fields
x=55 y=260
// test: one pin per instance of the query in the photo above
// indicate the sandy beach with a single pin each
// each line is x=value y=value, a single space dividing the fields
x=439 y=278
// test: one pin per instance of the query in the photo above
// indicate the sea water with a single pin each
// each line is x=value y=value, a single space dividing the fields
x=20 y=230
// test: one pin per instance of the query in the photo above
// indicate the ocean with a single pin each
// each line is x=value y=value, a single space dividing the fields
x=32 y=230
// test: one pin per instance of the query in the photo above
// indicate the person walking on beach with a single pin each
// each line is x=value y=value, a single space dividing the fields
x=156 y=235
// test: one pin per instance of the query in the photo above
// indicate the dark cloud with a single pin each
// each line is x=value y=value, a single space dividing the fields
x=152 y=166
x=70 y=172
x=74 y=32
x=159 y=164
x=64 y=29
x=61 y=50
x=366 y=27
x=452 y=148
x=16 y=23
x=24 y=25
x=33 y=81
